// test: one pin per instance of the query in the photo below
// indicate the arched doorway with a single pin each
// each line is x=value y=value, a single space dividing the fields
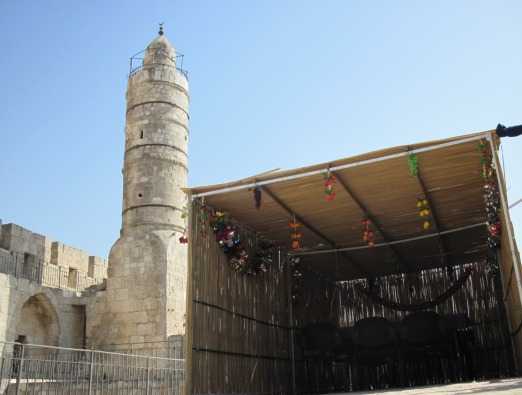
x=38 y=322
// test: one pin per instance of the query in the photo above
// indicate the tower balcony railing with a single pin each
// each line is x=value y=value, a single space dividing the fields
x=136 y=63
x=46 y=274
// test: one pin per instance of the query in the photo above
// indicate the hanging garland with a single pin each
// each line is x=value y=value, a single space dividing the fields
x=329 y=184
x=295 y=235
x=256 y=259
x=424 y=212
x=491 y=195
x=370 y=293
x=413 y=164
x=368 y=234
x=422 y=203
x=257 y=197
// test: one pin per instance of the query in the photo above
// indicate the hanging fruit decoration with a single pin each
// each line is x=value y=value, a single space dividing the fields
x=257 y=197
x=183 y=239
x=228 y=238
x=263 y=257
x=413 y=164
x=423 y=204
x=424 y=212
x=491 y=195
x=254 y=260
x=329 y=184
x=295 y=235
x=368 y=235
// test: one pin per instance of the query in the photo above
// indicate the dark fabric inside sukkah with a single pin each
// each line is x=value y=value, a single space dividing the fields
x=424 y=305
x=479 y=349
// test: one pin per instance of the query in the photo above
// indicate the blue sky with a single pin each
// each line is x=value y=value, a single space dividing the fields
x=273 y=84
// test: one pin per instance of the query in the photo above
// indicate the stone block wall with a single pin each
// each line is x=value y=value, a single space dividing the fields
x=70 y=257
x=65 y=313
x=97 y=267
x=39 y=284
x=64 y=266
x=20 y=240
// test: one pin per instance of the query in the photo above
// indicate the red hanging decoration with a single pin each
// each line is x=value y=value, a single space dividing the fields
x=295 y=236
x=183 y=239
x=368 y=235
x=329 y=184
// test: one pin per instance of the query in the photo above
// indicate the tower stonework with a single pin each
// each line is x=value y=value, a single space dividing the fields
x=146 y=287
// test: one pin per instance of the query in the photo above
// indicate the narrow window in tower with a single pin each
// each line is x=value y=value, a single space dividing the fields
x=141 y=134
x=140 y=195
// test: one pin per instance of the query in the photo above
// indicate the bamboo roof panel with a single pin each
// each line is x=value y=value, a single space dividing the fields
x=450 y=170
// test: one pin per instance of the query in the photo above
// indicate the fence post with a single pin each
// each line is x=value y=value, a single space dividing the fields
x=16 y=272
x=148 y=377
x=91 y=371
x=20 y=367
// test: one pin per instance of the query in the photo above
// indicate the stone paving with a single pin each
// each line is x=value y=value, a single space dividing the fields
x=503 y=387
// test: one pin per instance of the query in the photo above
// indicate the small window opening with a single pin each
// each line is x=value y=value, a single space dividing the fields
x=73 y=278
x=29 y=259
x=140 y=195
x=141 y=134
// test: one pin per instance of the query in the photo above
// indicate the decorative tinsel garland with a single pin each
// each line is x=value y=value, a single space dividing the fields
x=419 y=306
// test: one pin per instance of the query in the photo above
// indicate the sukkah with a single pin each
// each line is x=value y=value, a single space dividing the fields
x=352 y=258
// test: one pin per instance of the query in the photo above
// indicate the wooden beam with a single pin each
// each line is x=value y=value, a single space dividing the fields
x=300 y=219
x=373 y=220
x=312 y=229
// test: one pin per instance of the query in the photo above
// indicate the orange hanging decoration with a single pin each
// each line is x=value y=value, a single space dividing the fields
x=368 y=235
x=295 y=236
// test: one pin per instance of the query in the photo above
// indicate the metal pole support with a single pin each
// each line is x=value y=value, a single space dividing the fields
x=19 y=373
x=91 y=372
x=291 y=340
x=148 y=377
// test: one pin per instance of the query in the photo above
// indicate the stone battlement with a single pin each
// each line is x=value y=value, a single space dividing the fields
x=35 y=257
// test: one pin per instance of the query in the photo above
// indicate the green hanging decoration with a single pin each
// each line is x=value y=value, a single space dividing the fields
x=413 y=164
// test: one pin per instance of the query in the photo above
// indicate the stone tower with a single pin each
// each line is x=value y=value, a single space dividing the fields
x=146 y=286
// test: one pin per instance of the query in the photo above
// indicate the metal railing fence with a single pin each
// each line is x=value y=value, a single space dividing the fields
x=37 y=369
x=170 y=349
x=136 y=62
x=46 y=273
